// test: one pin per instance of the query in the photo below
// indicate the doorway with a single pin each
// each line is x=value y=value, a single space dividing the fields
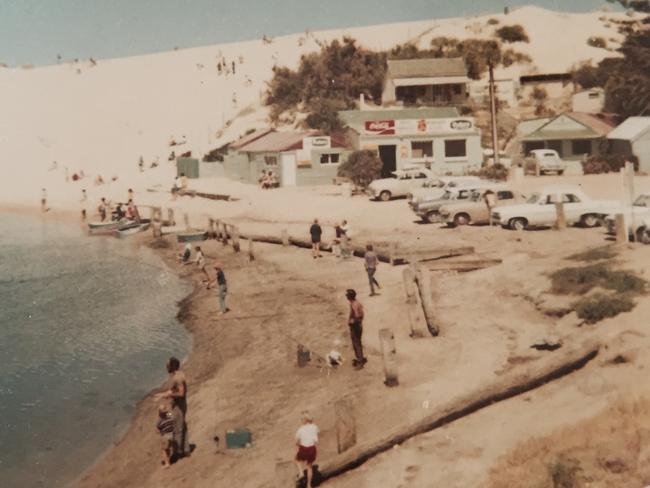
x=288 y=169
x=388 y=156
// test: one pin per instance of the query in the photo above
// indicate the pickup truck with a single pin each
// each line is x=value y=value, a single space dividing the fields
x=474 y=210
x=428 y=209
x=405 y=181
x=548 y=160
x=436 y=189
x=636 y=217
x=539 y=209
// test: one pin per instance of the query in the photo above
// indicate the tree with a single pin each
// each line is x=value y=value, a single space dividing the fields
x=512 y=33
x=638 y=5
x=324 y=115
x=362 y=167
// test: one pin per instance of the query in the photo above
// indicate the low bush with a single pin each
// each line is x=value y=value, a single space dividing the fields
x=492 y=172
x=605 y=163
x=596 y=254
x=600 y=306
x=512 y=33
x=565 y=473
x=577 y=281
x=599 y=42
x=493 y=21
x=361 y=167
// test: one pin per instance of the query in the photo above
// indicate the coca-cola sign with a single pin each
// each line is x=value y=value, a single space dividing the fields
x=383 y=127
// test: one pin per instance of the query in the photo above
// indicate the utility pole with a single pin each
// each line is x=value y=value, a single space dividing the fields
x=493 y=116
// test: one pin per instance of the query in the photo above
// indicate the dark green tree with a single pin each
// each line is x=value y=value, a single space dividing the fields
x=362 y=167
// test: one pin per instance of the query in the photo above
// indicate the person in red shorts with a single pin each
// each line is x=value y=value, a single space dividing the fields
x=306 y=441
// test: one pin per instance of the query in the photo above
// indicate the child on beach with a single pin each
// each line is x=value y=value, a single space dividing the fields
x=200 y=263
x=187 y=253
x=165 y=427
x=44 y=200
x=306 y=441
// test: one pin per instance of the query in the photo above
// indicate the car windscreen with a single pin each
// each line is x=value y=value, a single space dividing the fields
x=534 y=198
x=642 y=201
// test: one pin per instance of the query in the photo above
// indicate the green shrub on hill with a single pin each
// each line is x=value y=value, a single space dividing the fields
x=512 y=33
x=599 y=42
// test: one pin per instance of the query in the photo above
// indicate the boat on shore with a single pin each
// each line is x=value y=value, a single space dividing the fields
x=99 y=228
x=192 y=236
x=131 y=229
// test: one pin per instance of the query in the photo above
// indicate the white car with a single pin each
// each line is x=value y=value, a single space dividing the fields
x=636 y=217
x=436 y=189
x=404 y=182
x=539 y=209
x=548 y=160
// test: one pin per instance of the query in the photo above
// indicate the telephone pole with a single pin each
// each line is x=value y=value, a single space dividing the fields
x=493 y=116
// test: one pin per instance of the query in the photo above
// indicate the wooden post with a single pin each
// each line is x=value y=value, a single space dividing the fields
x=409 y=285
x=285 y=237
x=152 y=213
x=170 y=217
x=235 y=238
x=621 y=230
x=629 y=195
x=346 y=426
x=211 y=232
x=224 y=234
x=251 y=254
x=186 y=219
x=560 y=223
x=217 y=226
x=423 y=280
x=388 y=353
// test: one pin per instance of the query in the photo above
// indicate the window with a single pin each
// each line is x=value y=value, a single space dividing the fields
x=456 y=148
x=271 y=160
x=594 y=95
x=555 y=145
x=581 y=146
x=422 y=149
x=419 y=176
x=505 y=195
x=457 y=89
x=329 y=158
x=566 y=198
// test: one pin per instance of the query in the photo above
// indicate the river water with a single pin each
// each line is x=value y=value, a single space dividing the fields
x=86 y=325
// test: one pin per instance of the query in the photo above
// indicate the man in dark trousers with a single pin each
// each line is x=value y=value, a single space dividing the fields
x=315 y=231
x=356 y=328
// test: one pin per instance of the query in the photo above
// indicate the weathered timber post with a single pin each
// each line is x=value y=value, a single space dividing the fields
x=423 y=281
x=388 y=354
x=409 y=285
x=224 y=234
x=251 y=253
x=186 y=219
x=393 y=253
x=346 y=426
x=621 y=230
x=235 y=238
x=211 y=232
x=170 y=217
x=285 y=237
x=560 y=223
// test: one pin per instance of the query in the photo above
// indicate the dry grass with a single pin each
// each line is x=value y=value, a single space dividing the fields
x=599 y=306
x=609 y=450
x=596 y=254
x=578 y=281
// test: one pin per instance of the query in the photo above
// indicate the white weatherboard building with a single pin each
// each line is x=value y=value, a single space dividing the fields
x=435 y=137
x=589 y=101
x=633 y=137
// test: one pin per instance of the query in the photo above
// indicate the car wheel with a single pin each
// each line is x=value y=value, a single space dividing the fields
x=433 y=217
x=560 y=172
x=384 y=196
x=461 y=219
x=589 y=220
x=518 y=223
x=642 y=235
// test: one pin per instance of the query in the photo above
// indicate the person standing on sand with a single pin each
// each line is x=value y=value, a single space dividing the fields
x=355 y=322
x=223 y=287
x=370 y=262
x=315 y=232
x=44 y=207
x=306 y=442
x=102 y=209
x=130 y=195
x=177 y=393
x=84 y=195
x=200 y=263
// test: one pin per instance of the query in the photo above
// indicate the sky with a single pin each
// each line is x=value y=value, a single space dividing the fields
x=37 y=31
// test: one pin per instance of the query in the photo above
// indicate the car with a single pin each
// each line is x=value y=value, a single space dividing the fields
x=548 y=161
x=539 y=209
x=474 y=210
x=404 y=181
x=636 y=217
x=428 y=208
x=436 y=189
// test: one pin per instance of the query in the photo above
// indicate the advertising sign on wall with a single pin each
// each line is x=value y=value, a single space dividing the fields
x=418 y=126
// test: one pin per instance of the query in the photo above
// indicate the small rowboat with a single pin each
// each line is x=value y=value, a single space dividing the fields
x=97 y=228
x=199 y=235
x=131 y=228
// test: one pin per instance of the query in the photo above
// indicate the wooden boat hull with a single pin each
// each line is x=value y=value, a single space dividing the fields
x=192 y=236
x=132 y=229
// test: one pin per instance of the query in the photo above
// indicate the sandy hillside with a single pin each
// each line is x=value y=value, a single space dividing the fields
x=100 y=118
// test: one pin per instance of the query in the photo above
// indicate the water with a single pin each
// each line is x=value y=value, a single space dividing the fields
x=86 y=325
